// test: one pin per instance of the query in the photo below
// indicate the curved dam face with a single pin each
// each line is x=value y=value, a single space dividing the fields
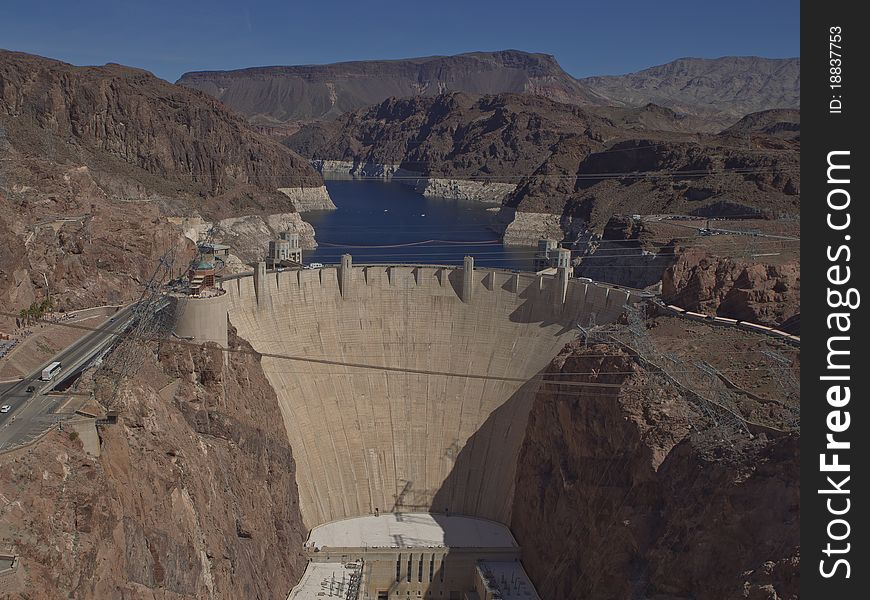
x=438 y=427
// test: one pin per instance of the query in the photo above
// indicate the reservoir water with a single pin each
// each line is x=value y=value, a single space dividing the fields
x=388 y=222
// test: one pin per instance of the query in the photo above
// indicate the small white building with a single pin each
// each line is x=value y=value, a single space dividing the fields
x=551 y=256
x=285 y=250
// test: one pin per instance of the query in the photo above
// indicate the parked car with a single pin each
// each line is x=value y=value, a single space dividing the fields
x=5 y=408
x=31 y=389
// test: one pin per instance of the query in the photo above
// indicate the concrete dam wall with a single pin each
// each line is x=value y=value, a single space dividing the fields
x=439 y=427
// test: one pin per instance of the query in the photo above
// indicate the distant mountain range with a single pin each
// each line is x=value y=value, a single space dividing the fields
x=136 y=159
x=720 y=90
x=723 y=88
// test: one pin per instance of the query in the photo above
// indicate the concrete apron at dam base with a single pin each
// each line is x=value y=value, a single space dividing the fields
x=404 y=388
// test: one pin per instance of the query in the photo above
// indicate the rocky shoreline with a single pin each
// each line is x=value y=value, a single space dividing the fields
x=525 y=229
x=488 y=192
x=309 y=198
x=344 y=169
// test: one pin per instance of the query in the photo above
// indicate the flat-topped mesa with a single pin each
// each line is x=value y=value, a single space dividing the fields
x=274 y=96
x=406 y=387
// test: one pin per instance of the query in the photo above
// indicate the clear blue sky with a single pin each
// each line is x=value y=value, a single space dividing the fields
x=605 y=37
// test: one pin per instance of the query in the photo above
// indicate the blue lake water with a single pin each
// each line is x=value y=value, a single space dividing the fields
x=388 y=222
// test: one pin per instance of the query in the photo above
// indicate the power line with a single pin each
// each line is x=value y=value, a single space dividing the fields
x=578 y=176
x=391 y=259
x=507 y=254
x=414 y=143
x=656 y=218
x=365 y=366
x=331 y=362
x=435 y=243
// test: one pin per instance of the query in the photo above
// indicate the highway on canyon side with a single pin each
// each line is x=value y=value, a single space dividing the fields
x=32 y=413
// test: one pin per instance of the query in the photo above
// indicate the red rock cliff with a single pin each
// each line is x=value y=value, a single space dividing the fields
x=620 y=495
x=128 y=114
x=193 y=497
x=734 y=287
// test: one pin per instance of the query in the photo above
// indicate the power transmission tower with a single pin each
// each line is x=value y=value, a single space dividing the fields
x=782 y=369
x=699 y=381
x=710 y=386
x=150 y=320
x=589 y=333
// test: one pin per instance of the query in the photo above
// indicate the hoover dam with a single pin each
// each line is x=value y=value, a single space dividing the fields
x=405 y=392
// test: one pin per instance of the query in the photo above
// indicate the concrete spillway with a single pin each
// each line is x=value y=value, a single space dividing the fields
x=439 y=428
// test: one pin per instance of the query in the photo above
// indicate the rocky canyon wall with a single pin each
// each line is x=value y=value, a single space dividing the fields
x=526 y=228
x=308 y=198
x=475 y=190
x=619 y=493
x=99 y=166
x=131 y=116
x=193 y=496
x=740 y=288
